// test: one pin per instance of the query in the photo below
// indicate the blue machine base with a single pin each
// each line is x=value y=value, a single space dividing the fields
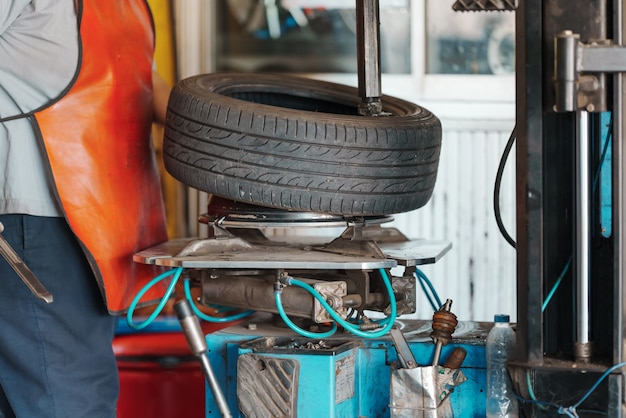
x=339 y=377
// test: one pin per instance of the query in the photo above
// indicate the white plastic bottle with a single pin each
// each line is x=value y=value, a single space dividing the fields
x=501 y=403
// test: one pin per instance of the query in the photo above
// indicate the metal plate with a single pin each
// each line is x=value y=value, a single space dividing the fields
x=415 y=252
x=227 y=256
x=267 y=387
x=484 y=5
x=231 y=253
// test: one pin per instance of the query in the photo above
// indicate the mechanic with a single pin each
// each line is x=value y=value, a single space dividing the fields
x=79 y=195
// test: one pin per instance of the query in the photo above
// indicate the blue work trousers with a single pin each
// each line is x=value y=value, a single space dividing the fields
x=56 y=360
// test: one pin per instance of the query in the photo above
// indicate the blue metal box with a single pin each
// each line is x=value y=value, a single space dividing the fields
x=279 y=373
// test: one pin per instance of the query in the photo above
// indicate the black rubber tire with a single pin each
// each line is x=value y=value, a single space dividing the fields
x=299 y=144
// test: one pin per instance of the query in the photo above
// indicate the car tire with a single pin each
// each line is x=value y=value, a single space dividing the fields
x=299 y=144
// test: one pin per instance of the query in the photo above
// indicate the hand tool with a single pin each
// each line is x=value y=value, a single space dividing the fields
x=22 y=270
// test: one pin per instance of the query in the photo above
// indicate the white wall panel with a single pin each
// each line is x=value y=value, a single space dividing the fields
x=478 y=273
x=194 y=45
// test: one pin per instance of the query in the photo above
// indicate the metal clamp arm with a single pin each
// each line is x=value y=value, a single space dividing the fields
x=577 y=67
x=368 y=57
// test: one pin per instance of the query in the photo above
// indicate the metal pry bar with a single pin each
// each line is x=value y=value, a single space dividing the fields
x=22 y=270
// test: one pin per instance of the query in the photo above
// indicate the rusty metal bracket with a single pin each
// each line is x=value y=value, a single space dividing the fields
x=484 y=5
x=579 y=71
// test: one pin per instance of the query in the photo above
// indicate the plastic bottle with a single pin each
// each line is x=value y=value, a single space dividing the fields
x=501 y=403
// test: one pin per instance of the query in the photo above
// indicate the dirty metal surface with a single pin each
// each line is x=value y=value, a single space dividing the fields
x=484 y=5
x=236 y=253
x=267 y=387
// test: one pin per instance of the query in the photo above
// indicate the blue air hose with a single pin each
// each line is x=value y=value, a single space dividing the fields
x=294 y=327
x=170 y=289
x=208 y=318
x=176 y=273
x=354 y=329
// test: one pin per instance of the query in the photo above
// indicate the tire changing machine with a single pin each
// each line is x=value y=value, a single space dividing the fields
x=263 y=368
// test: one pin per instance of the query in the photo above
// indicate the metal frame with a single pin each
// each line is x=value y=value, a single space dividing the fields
x=552 y=349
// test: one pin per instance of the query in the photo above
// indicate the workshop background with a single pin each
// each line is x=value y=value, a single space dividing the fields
x=569 y=104
x=460 y=66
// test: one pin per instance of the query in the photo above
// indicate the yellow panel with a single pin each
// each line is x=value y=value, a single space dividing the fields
x=164 y=54
x=165 y=61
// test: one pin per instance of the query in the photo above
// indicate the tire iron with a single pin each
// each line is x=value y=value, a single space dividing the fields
x=17 y=264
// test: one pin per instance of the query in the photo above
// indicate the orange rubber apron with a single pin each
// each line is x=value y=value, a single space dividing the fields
x=97 y=140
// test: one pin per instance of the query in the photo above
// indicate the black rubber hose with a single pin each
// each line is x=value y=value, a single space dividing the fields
x=497 y=186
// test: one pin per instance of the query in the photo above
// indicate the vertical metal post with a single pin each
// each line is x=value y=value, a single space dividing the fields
x=618 y=406
x=529 y=175
x=582 y=346
x=198 y=346
x=619 y=194
x=368 y=56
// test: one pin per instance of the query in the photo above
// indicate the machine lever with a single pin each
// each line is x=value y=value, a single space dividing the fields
x=198 y=346
x=22 y=270
x=444 y=324
x=405 y=356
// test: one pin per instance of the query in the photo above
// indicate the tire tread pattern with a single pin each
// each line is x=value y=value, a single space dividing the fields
x=296 y=159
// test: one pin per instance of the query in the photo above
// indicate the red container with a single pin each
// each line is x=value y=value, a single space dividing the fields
x=159 y=377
